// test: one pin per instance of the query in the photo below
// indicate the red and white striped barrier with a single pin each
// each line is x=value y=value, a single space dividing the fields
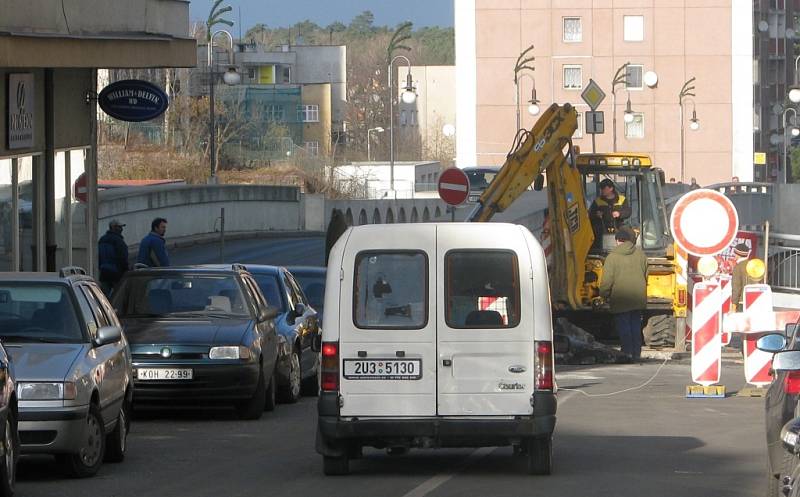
x=706 y=324
x=727 y=289
x=757 y=302
x=694 y=278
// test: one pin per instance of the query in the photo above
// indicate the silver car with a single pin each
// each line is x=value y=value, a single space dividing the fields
x=73 y=368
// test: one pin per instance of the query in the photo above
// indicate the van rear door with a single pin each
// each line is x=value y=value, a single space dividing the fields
x=387 y=325
x=485 y=321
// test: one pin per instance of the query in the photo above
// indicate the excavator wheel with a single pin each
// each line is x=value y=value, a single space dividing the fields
x=660 y=331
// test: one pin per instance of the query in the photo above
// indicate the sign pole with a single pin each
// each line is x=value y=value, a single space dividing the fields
x=593 y=143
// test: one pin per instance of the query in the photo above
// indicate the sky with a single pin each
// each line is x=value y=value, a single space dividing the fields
x=282 y=13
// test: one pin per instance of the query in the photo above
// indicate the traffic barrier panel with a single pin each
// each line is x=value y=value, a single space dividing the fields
x=725 y=284
x=706 y=324
x=757 y=363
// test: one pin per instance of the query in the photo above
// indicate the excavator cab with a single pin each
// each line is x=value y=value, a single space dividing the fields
x=639 y=183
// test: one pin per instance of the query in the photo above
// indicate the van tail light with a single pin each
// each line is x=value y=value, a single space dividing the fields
x=681 y=296
x=544 y=365
x=329 y=367
x=791 y=384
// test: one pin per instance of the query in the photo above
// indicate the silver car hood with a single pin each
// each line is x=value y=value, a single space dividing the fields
x=44 y=361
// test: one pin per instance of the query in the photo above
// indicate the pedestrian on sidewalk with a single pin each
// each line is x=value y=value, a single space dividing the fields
x=112 y=255
x=624 y=287
x=153 y=247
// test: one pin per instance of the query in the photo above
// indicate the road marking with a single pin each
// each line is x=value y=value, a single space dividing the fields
x=577 y=376
x=435 y=482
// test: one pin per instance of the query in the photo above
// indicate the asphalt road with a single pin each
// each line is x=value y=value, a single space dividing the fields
x=307 y=251
x=644 y=442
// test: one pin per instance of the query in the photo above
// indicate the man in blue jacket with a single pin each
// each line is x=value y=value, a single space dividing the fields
x=112 y=255
x=153 y=247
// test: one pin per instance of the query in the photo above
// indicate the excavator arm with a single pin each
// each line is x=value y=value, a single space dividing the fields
x=534 y=153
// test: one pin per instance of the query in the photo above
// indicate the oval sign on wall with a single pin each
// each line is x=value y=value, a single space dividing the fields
x=133 y=100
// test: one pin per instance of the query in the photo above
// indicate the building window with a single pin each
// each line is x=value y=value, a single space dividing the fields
x=633 y=77
x=403 y=118
x=274 y=113
x=251 y=73
x=573 y=77
x=413 y=118
x=573 y=30
x=308 y=113
x=633 y=27
x=635 y=128
x=579 y=130
x=312 y=148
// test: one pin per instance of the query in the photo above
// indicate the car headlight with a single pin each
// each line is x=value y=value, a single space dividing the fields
x=229 y=352
x=47 y=391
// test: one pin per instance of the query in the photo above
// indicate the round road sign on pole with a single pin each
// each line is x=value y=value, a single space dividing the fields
x=79 y=189
x=704 y=222
x=453 y=186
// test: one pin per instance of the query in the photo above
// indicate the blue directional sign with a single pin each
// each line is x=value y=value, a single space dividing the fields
x=133 y=100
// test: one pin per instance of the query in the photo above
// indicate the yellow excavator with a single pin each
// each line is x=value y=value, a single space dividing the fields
x=577 y=264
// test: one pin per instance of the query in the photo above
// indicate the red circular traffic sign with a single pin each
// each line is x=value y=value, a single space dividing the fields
x=79 y=189
x=704 y=222
x=453 y=186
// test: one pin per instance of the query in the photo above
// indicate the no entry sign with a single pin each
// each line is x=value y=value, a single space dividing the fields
x=704 y=222
x=453 y=186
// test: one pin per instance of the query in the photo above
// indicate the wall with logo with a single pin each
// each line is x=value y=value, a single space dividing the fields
x=33 y=104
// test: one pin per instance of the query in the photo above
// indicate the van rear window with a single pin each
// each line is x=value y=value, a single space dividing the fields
x=481 y=289
x=390 y=290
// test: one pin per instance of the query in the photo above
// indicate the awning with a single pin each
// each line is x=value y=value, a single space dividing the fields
x=109 y=52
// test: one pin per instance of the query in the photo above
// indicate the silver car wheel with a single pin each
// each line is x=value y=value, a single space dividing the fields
x=91 y=451
x=8 y=445
x=294 y=376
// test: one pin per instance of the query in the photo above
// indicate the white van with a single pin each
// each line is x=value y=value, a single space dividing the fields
x=436 y=335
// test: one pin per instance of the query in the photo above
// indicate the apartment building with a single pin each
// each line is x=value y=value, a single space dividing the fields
x=576 y=41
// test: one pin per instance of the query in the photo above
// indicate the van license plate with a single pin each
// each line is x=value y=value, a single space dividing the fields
x=383 y=369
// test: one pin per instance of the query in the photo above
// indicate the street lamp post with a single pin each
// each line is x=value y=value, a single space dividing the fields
x=620 y=78
x=686 y=91
x=409 y=96
x=231 y=78
x=523 y=62
x=795 y=131
x=794 y=92
x=377 y=130
x=533 y=103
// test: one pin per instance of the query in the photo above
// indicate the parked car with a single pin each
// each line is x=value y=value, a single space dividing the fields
x=479 y=179
x=787 y=361
x=299 y=323
x=781 y=406
x=312 y=282
x=200 y=335
x=9 y=417
x=438 y=335
x=72 y=365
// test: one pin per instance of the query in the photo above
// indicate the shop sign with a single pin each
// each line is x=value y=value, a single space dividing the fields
x=133 y=100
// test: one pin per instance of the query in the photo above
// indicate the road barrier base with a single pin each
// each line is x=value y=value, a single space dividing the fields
x=705 y=392
x=752 y=392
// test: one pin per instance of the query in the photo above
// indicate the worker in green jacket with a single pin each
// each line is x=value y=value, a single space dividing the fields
x=624 y=287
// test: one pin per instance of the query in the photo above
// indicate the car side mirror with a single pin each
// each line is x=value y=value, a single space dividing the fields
x=107 y=335
x=299 y=309
x=267 y=314
x=560 y=344
x=316 y=343
x=787 y=360
x=774 y=342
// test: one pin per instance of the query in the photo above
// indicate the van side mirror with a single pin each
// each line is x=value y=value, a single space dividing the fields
x=267 y=314
x=538 y=183
x=316 y=342
x=774 y=342
x=107 y=335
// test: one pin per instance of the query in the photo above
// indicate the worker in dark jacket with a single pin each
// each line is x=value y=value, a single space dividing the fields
x=336 y=228
x=624 y=287
x=112 y=255
x=740 y=278
x=609 y=211
x=153 y=247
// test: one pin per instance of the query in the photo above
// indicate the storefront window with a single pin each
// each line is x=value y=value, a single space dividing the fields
x=6 y=209
x=61 y=220
x=80 y=233
x=25 y=210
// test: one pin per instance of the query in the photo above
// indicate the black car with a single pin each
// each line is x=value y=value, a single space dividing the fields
x=298 y=322
x=200 y=335
x=781 y=406
x=9 y=417
x=787 y=361
x=312 y=282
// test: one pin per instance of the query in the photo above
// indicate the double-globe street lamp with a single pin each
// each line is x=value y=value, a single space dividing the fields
x=231 y=78
x=377 y=130
x=408 y=97
x=794 y=131
x=620 y=78
x=524 y=62
x=694 y=123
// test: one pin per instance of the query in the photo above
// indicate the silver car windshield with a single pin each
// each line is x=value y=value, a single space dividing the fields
x=180 y=294
x=38 y=312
